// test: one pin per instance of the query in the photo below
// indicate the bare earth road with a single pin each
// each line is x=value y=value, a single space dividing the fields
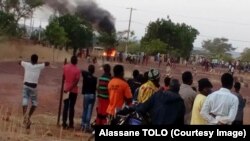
x=11 y=77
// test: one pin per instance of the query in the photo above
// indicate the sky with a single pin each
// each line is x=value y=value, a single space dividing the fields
x=212 y=18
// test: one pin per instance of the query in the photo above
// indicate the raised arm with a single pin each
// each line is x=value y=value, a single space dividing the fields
x=47 y=64
x=19 y=63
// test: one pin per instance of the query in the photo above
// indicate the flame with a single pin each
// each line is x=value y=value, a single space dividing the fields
x=104 y=54
x=113 y=53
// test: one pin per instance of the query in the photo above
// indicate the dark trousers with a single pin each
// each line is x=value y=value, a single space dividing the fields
x=237 y=123
x=69 y=109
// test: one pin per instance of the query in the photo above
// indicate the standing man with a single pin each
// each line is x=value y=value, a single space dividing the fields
x=242 y=103
x=221 y=106
x=134 y=82
x=187 y=94
x=119 y=92
x=205 y=87
x=103 y=96
x=32 y=72
x=167 y=80
x=89 y=93
x=72 y=76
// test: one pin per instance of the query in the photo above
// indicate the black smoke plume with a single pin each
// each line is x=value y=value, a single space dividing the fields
x=86 y=9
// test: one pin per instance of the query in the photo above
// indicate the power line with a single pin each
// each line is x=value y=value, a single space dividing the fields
x=198 y=18
x=139 y=23
x=189 y=17
x=201 y=35
x=236 y=40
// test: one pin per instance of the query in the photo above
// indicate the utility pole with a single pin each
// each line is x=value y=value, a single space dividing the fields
x=130 y=16
x=40 y=28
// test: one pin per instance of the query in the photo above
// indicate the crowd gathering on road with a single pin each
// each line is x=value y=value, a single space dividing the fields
x=175 y=102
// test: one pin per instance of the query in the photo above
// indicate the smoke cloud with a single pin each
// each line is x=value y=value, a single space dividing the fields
x=86 y=9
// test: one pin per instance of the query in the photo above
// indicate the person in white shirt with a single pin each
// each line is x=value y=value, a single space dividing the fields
x=32 y=72
x=220 y=107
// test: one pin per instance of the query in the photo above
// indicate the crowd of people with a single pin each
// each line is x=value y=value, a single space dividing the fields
x=175 y=102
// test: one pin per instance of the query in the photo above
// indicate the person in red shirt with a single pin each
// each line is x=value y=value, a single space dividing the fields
x=72 y=76
x=119 y=92
x=166 y=83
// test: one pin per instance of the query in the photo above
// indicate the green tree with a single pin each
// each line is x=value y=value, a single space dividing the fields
x=245 y=55
x=107 y=40
x=178 y=37
x=19 y=8
x=133 y=46
x=79 y=32
x=154 y=46
x=55 y=34
x=219 y=47
x=8 y=26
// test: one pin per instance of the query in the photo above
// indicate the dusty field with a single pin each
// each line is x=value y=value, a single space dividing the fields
x=20 y=49
x=11 y=77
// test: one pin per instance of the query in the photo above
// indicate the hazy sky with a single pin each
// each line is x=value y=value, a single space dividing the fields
x=212 y=18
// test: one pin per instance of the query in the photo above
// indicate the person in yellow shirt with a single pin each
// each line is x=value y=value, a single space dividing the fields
x=204 y=86
x=150 y=87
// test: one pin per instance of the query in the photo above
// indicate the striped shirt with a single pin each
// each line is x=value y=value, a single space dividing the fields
x=102 y=88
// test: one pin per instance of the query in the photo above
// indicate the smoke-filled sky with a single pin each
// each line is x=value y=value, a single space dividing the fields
x=85 y=9
x=212 y=18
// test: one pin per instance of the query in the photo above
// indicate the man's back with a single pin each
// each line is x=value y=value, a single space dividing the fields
x=188 y=95
x=221 y=102
x=102 y=88
x=242 y=104
x=71 y=74
x=164 y=108
x=196 y=118
x=89 y=83
x=32 y=71
x=146 y=91
x=119 y=91
x=221 y=106
x=134 y=84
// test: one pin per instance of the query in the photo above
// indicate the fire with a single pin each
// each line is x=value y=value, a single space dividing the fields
x=110 y=53
x=113 y=53
x=104 y=53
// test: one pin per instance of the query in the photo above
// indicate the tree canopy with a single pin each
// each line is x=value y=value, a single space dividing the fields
x=19 y=8
x=245 y=55
x=79 y=32
x=107 y=40
x=133 y=46
x=177 y=37
x=8 y=26
x=154 y=46
x=56 y=34
x=219 y=47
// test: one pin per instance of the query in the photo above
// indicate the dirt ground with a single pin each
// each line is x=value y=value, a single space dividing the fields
x=11 y=80
x=11 y=75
